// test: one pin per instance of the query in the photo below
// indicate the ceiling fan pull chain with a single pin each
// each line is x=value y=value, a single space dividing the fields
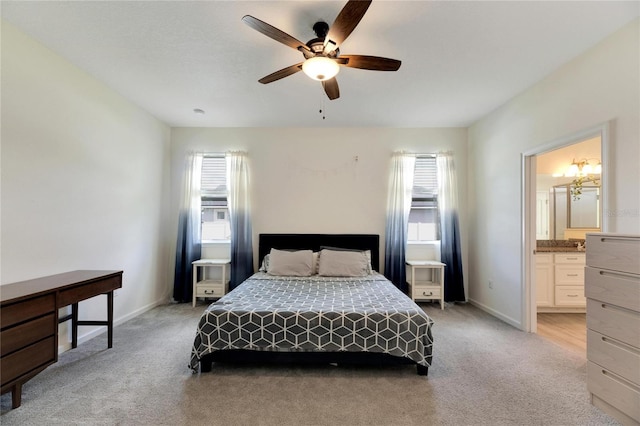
x=322 y=107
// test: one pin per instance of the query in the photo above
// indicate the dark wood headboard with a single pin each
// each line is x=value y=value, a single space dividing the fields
x=315 y=241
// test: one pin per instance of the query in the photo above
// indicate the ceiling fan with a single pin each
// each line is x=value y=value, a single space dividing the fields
x=322 y=54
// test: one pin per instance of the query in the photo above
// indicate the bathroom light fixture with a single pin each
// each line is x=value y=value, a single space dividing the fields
x=320 y=68
x=584 y=168
x=583 y=172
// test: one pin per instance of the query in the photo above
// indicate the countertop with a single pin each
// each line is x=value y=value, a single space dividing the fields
x=558 y=250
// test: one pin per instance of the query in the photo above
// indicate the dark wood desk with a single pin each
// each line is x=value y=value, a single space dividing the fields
x=29 y=321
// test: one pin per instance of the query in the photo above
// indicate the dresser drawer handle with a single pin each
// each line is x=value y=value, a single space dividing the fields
x=209 y=292
x=572 y=275
x=619 y=344
x=572 y=295
x=620 y=379
x=618 y=274
x=572 y=258
x=425 y=294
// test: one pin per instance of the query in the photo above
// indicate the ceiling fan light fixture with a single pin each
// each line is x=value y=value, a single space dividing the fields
x=320 y=68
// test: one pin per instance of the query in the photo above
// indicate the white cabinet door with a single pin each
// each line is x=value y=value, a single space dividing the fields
x=544 y=279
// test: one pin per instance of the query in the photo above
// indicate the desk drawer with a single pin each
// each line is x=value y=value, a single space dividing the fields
x=610 y=387
x=14 y=313
x=22 y=335
x=88 y=290
x=28 y=359
x=210 y=290
x=613 y=355
x=614 y=321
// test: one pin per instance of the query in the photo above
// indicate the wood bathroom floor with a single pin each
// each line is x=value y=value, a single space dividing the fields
x=566 y=330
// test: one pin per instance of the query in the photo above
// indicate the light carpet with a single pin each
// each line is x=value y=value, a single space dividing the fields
x=484 y=372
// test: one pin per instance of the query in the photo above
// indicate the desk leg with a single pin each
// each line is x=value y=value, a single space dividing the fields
x=74 y=325
x=110 y=319
x=16 y=395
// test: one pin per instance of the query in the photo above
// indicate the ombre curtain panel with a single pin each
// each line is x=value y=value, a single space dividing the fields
x=240 y=218
x=398 y=207
x=450 y=251
x=188 y=247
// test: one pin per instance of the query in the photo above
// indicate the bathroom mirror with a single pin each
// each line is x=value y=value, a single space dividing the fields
x=573 y=215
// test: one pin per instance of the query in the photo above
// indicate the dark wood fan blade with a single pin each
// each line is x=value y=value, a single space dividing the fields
x=374 y=63
x=345 y=23
x=274 y=33
x=284 y=72
x=331 y=88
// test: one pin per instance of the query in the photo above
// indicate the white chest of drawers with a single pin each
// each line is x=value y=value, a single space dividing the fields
x=613 y=324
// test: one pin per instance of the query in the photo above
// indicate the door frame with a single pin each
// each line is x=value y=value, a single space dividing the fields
x=528 y=206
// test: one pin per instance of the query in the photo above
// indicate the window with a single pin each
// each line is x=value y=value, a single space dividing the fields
x=423 y=216
x=214 y=218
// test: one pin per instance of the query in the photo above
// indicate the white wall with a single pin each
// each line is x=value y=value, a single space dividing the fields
x=598 y=86
x=84 y=179
x=320 y=180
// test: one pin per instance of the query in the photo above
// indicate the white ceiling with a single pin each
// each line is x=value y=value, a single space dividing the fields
x=460 y=59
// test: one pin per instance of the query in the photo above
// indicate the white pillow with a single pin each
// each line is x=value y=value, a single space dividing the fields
x=334 y=263
x=265 y=264
x=297 y=263
x=366 y=252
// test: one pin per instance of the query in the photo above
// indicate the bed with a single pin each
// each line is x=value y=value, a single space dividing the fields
x=329 y=316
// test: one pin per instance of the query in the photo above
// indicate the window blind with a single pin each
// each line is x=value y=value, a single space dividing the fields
x=425 y=178
x=214 y=176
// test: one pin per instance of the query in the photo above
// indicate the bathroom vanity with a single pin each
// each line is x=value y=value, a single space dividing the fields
x=560 y=279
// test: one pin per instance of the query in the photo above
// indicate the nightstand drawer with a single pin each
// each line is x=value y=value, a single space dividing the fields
x=210 y=290
x=570 y=296
x=425 y=292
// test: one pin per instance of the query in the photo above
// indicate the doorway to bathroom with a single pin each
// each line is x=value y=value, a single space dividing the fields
x=564 y=195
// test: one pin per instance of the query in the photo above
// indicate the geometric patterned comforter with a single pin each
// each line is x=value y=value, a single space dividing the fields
x=315 y=314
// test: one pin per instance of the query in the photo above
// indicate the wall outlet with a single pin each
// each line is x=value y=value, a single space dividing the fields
x=491 y=284
x=116 y=293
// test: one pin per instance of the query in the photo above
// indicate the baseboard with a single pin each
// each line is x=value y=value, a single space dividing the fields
x=515 y=323
x=117 y=321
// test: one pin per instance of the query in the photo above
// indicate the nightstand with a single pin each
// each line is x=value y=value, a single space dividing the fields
x=210 y=287
x=430 y=286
